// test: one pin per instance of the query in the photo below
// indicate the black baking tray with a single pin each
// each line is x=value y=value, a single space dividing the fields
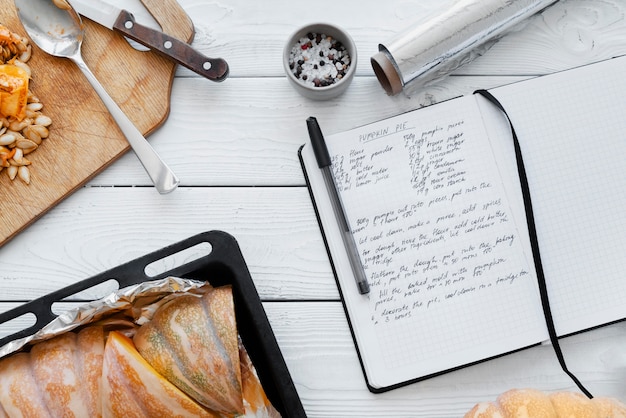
x=224 y=265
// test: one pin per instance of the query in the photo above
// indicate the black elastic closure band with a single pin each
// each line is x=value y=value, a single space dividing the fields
x=534 y=242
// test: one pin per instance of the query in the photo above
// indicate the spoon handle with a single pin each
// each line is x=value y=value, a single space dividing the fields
x=162 y=176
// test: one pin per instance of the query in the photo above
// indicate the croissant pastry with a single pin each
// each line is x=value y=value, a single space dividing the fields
x=527 y=403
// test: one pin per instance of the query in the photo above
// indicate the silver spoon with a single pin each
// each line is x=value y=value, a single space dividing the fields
x=60 y=33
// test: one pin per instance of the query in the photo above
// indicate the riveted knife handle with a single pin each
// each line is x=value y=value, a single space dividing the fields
x=215 y=69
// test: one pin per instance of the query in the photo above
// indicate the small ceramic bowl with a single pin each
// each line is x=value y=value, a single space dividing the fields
x=326 y=72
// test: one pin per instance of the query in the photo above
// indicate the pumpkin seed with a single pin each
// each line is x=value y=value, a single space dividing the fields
x=7 y=139
x=12 y=171
x=43 y=120
x=18 y=125
x=34 y=106
x=23 y=66
x=32 y=134
x=26 y=145
x=24 y=173
x=41 y=130
x=17 y=157
x=26 y=53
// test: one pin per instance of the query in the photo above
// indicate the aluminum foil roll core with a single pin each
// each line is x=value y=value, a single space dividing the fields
x=427 y=51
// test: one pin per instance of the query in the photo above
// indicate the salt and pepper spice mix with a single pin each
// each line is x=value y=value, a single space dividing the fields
x=319 y=60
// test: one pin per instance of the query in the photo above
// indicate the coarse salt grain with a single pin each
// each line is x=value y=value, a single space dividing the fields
x=318 y=60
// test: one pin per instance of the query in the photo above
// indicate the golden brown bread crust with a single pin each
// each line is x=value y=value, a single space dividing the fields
x=526 y=402
x=532 y=403
x=572 y=404
x=484 y=410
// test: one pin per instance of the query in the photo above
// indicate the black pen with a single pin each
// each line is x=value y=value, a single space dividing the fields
x=323 y=161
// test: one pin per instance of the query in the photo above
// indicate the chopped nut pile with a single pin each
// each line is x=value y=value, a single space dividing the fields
x=319 y=60
x=23 y=126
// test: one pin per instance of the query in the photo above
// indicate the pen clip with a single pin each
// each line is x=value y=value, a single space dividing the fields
x=317 y=142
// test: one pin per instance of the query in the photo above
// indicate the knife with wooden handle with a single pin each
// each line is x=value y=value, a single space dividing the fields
x=122 y=21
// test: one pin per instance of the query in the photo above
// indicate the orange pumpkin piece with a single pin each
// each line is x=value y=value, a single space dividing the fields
x=132 y=388
x=13 y=91
x=19 y=393
x=254 y=397
x=193 y=342
x=59 y=377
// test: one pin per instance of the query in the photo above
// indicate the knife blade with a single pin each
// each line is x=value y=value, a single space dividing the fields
x=122 y=21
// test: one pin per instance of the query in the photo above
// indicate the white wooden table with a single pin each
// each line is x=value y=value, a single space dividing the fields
x=234 y=145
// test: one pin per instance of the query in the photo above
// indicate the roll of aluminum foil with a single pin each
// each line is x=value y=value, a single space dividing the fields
x=431 y=49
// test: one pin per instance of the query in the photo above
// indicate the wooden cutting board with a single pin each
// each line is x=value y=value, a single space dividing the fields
x=84 y=139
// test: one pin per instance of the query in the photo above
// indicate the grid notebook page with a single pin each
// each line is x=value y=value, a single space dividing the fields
x=572 y=130
x=450 y=283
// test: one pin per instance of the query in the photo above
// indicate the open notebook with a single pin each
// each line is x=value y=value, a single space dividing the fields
x=434 y=201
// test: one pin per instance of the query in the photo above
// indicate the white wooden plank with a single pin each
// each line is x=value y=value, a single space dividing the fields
x=97 y=229
x=251 y=36
x=253 y=123
x=247 y=131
